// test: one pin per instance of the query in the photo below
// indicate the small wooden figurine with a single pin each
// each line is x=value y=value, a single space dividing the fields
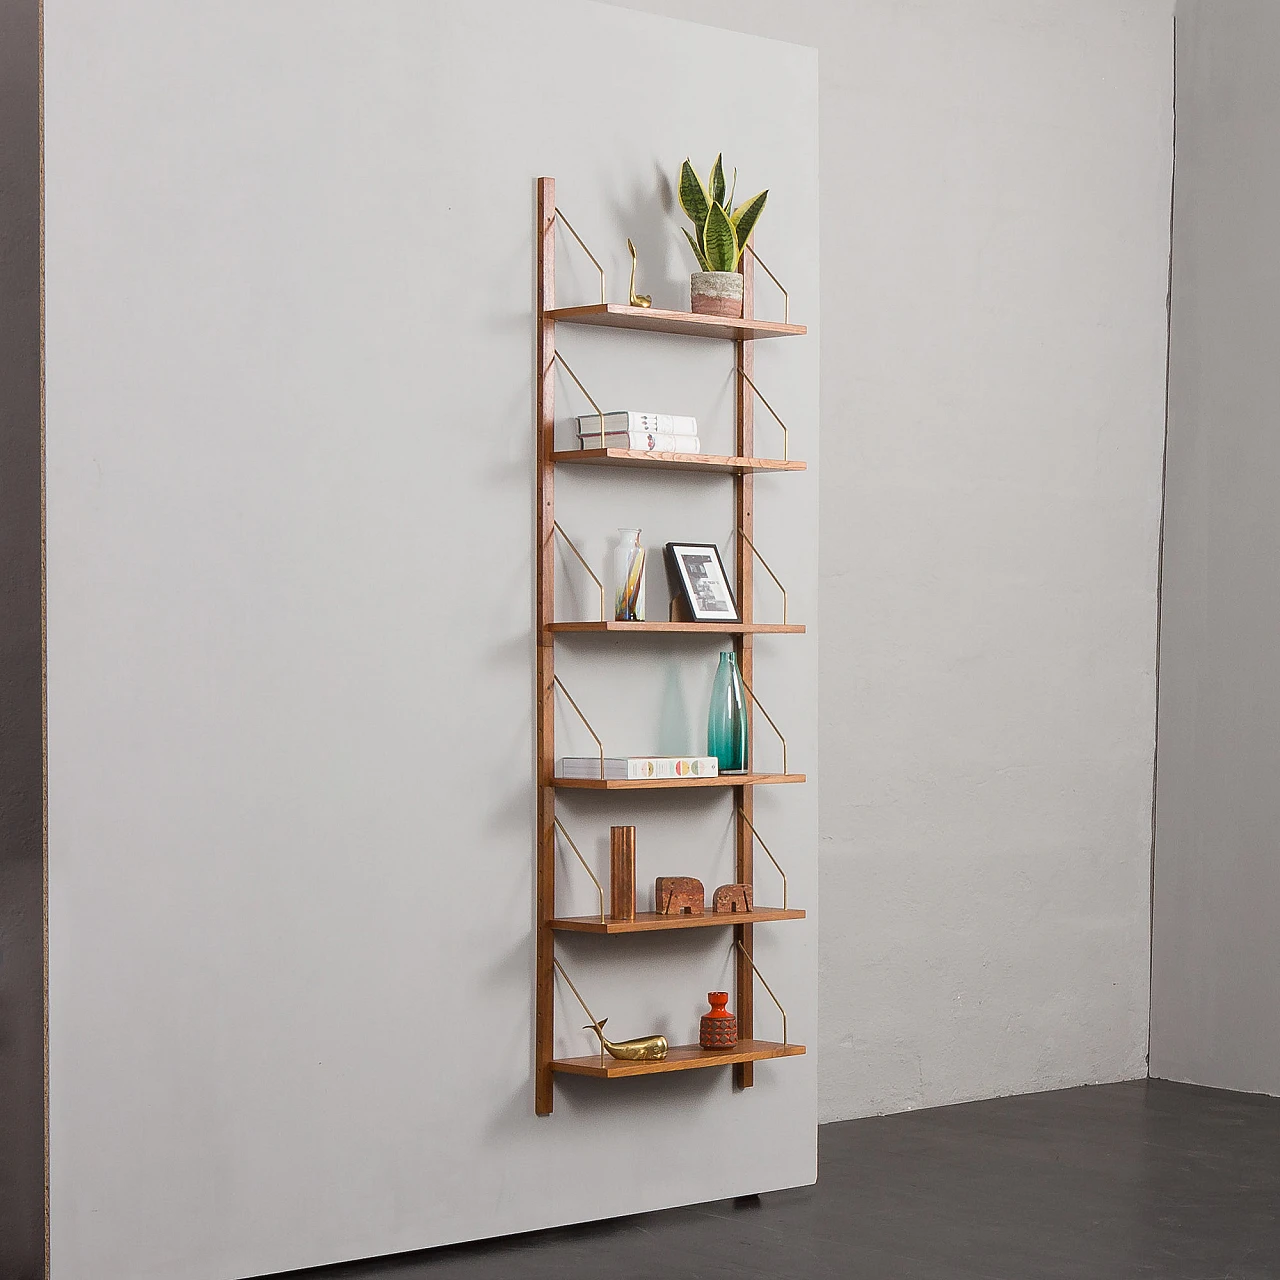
x=731 y=898
x=679 y=896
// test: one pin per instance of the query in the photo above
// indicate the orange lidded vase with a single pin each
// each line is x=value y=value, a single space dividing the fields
x=719 y=1027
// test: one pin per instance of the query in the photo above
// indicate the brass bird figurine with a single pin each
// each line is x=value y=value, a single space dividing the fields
x=637 y=299
x=645 y=1049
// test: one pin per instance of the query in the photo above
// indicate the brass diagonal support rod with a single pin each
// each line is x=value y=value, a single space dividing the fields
x=765 y=847
x=599 y=887
x=764 y=984
x=786 y=435
x=596 y=736
x=597 y=265
x=585 y=392
x=786 y=301
x=781 y=738
x=777 y=581
x=595 y=1022
x=555 y=524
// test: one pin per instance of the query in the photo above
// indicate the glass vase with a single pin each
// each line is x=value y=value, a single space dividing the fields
x=628 y=577
x=727 y=720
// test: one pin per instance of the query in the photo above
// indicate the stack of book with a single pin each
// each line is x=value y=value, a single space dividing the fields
x=636 y=768
x=648 y=432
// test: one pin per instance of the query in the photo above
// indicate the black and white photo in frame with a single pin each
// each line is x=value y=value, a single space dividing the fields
x=705 y=585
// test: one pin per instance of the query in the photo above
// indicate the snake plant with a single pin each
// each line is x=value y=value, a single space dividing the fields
x=721 y=234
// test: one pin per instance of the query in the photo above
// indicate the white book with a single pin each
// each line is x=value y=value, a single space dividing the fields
x=673 y=424
x=637 y=768
x=642 y=441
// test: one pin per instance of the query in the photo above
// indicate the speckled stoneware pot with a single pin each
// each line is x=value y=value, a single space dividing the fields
x=716 y=293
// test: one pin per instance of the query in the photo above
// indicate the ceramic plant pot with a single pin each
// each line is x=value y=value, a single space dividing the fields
x=716 y=293
x=719 y=1027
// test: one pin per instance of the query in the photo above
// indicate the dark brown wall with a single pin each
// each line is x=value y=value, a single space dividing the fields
x=21 y=769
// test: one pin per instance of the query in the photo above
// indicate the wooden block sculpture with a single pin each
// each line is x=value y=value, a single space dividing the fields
x=622 y=873
x=679 y=896
x=731 y=898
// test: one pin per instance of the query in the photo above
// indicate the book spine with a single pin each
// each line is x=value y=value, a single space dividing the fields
x=672 y=767
x=637 y=768
x=646 y=441
x=675 y=424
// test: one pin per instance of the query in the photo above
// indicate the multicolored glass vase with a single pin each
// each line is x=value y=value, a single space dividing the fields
x=727 y=719
x=628 y=577
x=719 y=1027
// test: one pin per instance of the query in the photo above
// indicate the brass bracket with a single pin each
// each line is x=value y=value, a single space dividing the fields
x=762 y=711
x=786 y=435
x=763 y=983
x=596 y=882
x=596 y=736
x=765 y=847
x=595 y=1022
x=585 y=392
x=592 y=256
x=555 y=524
x=777 y=581
x=786 y=301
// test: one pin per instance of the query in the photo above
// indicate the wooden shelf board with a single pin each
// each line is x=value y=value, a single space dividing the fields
x=684 y=1057
x=614 y=315
x=673 y=461
x=652 y=922
x=684 y=628
x=652 y=784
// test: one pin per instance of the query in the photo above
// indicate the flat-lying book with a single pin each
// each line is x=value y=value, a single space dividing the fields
x=623 y=420
x=642 y=441
x=637 y=768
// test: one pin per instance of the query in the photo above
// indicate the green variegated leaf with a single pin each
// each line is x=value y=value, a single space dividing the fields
x=693 y=195
x=720 y=241
x=716 y=187
x=746 y=215
x=697 y=253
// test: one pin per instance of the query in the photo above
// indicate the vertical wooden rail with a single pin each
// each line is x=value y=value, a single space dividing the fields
x=544 y=1010
x=744 y=350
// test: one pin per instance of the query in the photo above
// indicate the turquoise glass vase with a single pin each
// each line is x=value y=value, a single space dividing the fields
x=727 y=721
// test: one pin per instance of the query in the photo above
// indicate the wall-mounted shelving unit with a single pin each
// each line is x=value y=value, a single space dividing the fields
x=742 y=466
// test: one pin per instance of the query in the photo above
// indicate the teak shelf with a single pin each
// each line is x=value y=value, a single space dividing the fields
x=616 y=316
x=682 y=628
x=670 y=784
x=683 y=1057
x=742 y=466
x=652 y=922
x=673 y=461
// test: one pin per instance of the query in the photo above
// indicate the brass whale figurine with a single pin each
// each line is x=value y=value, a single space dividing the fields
x=637 y=299
x=645 y=1049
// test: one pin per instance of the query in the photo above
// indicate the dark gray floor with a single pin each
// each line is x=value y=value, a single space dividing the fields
x=1109 y=1183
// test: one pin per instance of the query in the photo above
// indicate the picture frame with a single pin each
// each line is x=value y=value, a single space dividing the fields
x=704 y=584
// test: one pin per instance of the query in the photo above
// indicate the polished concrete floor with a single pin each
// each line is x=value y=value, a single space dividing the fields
x=1108 y=1183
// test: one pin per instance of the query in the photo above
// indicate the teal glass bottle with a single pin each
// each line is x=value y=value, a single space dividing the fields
x=727 y=721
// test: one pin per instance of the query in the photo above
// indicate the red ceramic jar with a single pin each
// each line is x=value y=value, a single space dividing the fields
x=719 y=1027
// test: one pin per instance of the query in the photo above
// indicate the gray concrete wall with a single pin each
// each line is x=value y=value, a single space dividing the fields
x=21 y=768
x=995 y=241
x=1215 y=1016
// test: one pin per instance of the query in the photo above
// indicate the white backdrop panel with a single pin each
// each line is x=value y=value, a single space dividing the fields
x=290 y=536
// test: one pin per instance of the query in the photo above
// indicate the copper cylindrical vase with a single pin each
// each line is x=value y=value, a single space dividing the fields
x=622 y=873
